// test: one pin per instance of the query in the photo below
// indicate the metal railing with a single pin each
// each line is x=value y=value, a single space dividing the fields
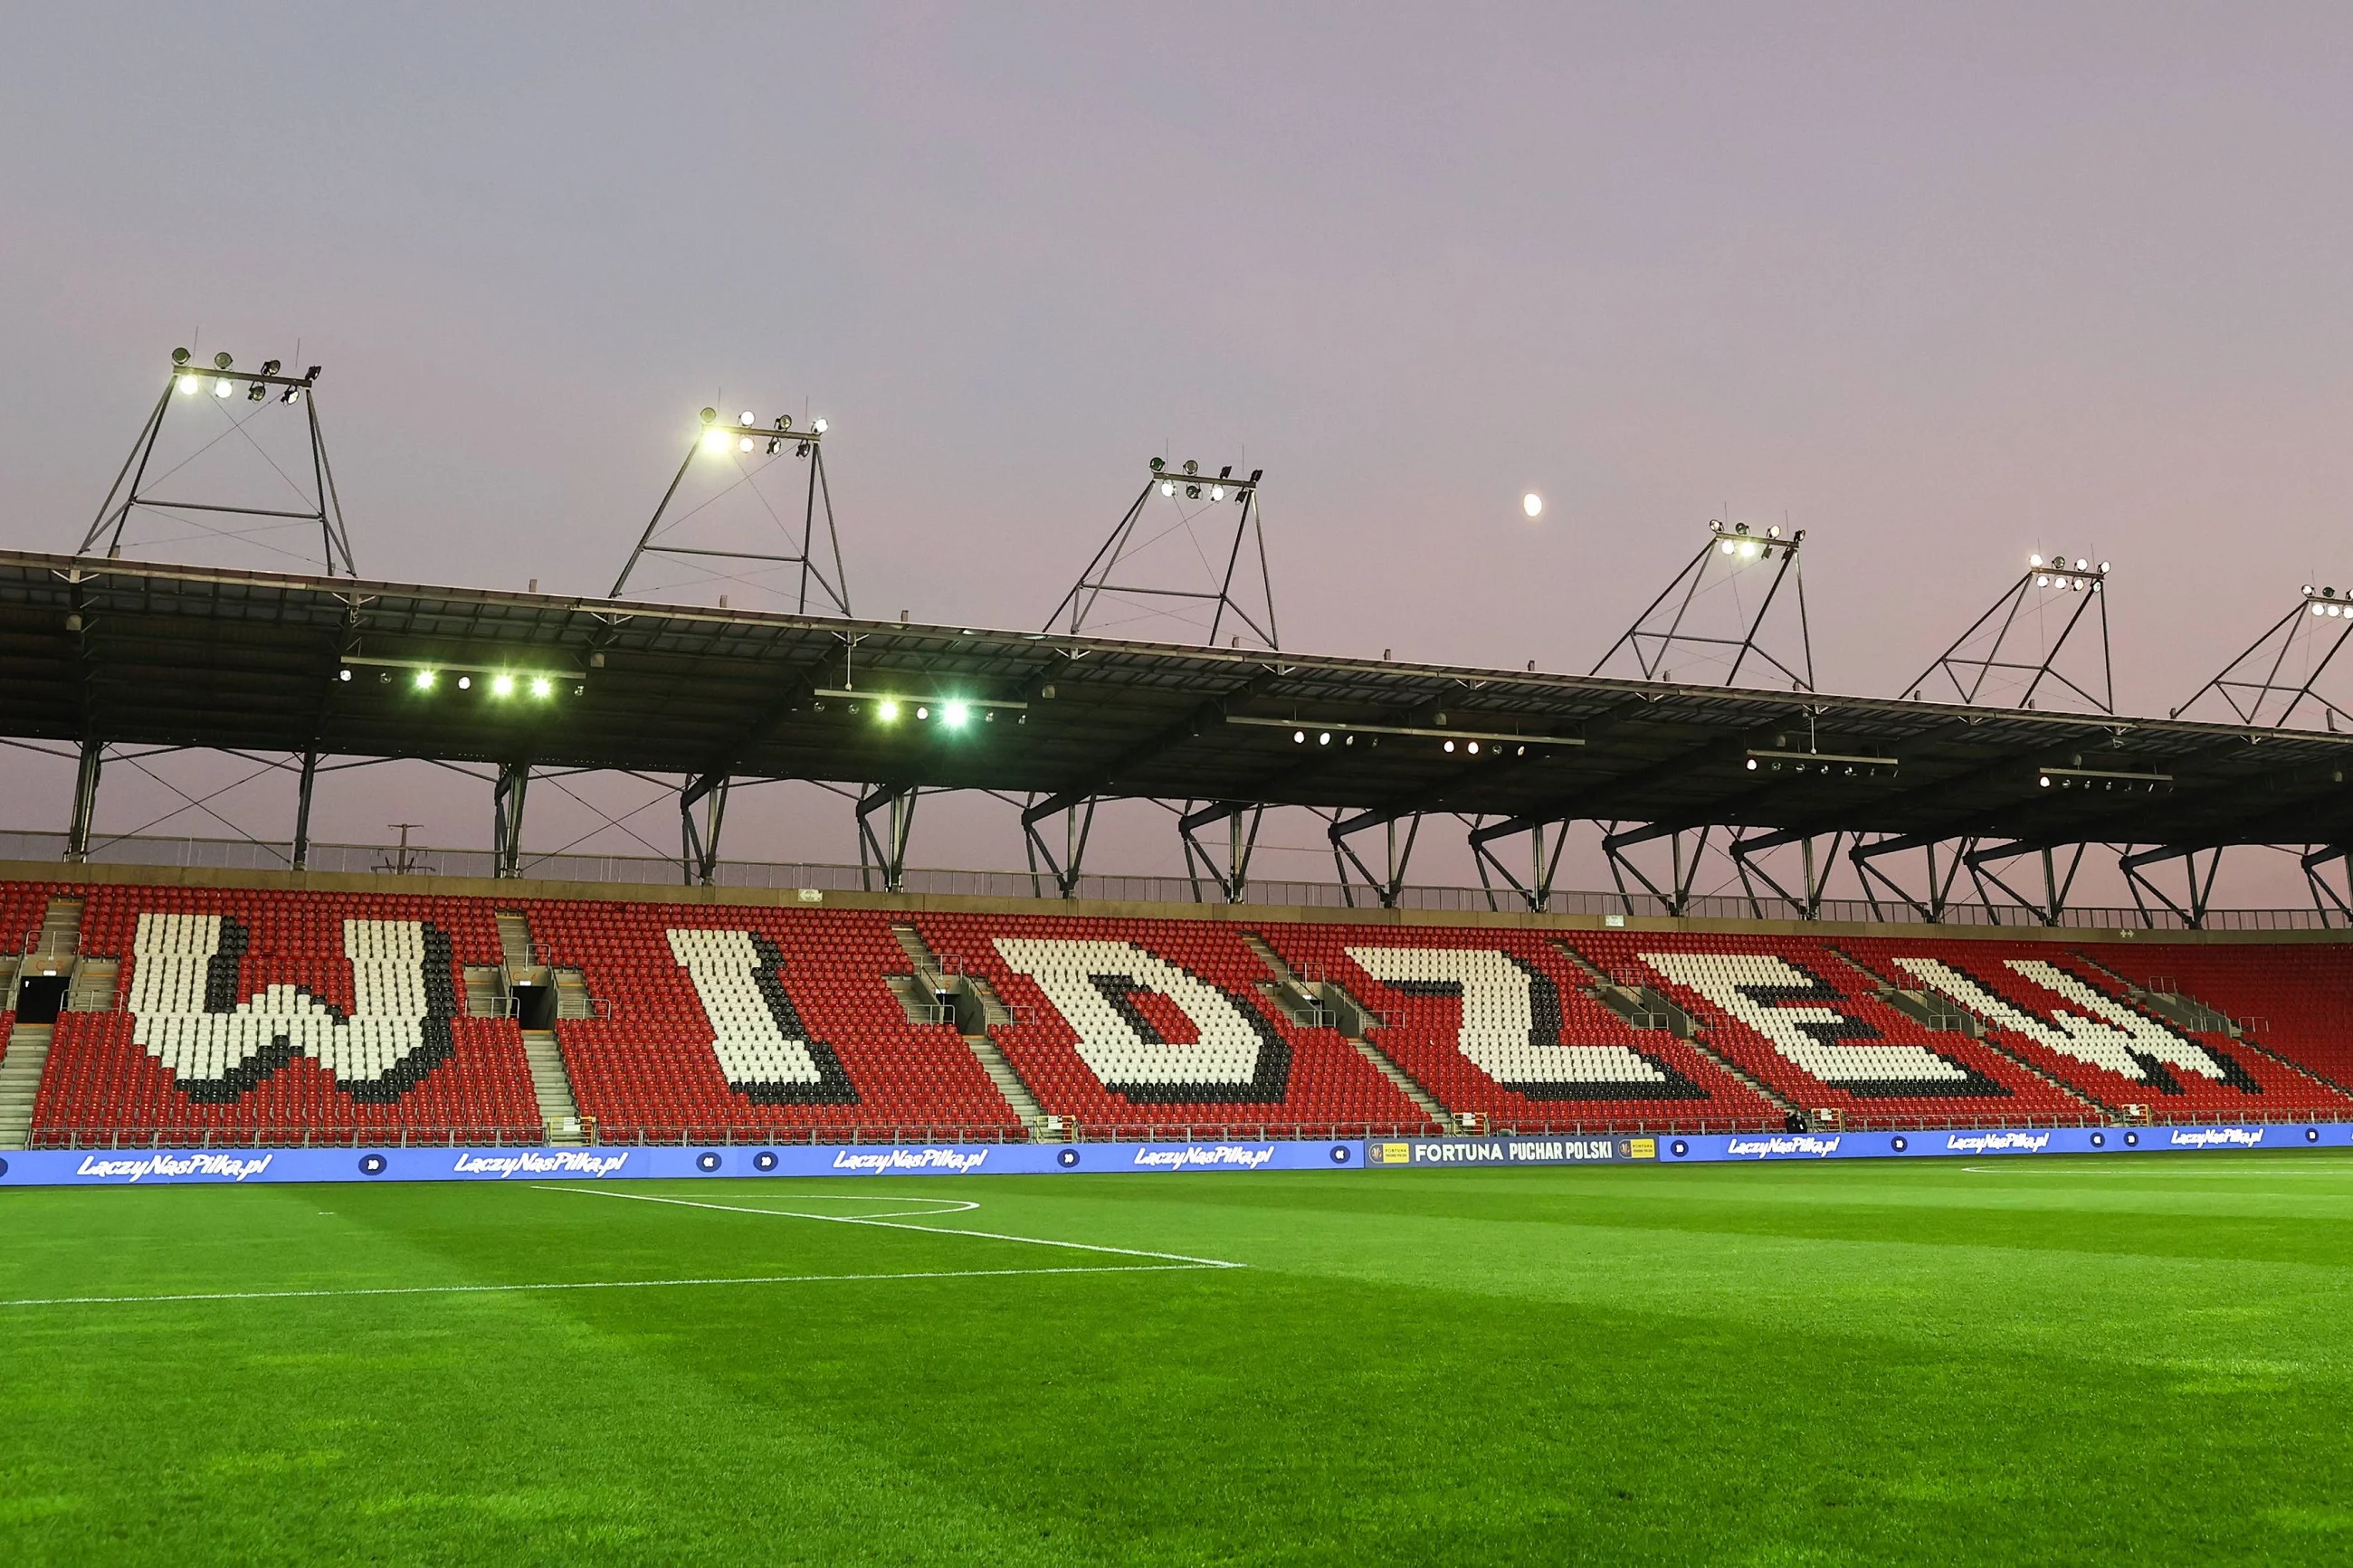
x=653 y=871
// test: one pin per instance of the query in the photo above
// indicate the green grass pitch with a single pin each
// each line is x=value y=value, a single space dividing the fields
x=2029 y=1360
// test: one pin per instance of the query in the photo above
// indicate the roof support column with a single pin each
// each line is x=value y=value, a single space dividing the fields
x=699 y=849
x=1537 y=891
x=1078 y=821
x=1241 y=841
x=887 y=854
x=1391 y=882
x=85 y=801
x=506 y=819
x=302 y=810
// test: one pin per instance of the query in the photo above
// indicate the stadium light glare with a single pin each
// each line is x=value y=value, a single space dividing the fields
x=714 y=440
x=746 y=445
x=423 y=680
x=542 y=687
x=187 y=385
x=1531 y=504
x=887 y=711
x=222 y=387
x=502 y=686
x=2034 y=560
x=954 y=714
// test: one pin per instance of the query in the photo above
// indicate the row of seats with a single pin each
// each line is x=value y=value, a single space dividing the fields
x=244 y=1009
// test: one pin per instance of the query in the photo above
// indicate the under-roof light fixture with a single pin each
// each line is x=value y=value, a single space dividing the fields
x=502 y=686
x=953 y=714
x=542 y=686
x=422 y=680
x=887 y=711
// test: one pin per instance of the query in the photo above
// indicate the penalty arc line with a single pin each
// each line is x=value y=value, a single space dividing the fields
x=599 y=1285
x=895 y=1225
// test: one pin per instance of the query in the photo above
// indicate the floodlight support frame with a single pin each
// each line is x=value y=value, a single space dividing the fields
x=1537 y=891
x=506 y=819
x=834 y=590
x=1651 y=646
x=85 y=800
x=1232 y=877
x=1967 y=674
x=1683 y=868
x=125 y=495
x=1096 y=579
x=1078 y=823
x=886 y=853
x=2247 y=697
x=1814 y=874
x=2199 y=890
x=699 y=847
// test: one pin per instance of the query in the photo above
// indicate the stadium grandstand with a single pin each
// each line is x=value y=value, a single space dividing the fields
x=395 y=1001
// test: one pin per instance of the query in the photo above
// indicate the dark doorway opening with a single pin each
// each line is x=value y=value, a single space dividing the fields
x=535 y=1006
x=40 y=997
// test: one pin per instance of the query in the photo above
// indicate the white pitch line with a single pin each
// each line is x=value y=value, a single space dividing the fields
x=894 y=1225
x=600 y=1284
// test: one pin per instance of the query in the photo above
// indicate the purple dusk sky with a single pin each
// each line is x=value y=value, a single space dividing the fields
x=1943 y=286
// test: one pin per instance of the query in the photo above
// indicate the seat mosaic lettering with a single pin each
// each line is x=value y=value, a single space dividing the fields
x=1799 y=1015
x=1152 y=1030
x=2108 y=1033
x=766 y=1052
x=1511 y=1027
x=189 y=1013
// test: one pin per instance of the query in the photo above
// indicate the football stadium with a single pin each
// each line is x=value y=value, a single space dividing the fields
x=1673 y=1106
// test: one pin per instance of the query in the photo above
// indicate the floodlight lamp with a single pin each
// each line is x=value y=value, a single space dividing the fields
x=784 y=421
x=1158 y=464
x=1192 y=492
x=223 y=360
x=2034 y=560
x=344 y=674
x=714 y=440
x=1774 y=531
x=954 y=714
x=291 y=395
x=1450 y=745
x=1739 y=528
x=187 y=386
x=1227 y=472
x=776 y=445
x=465 y=683
x=1752 y=764
x=221 y=388
x=1299 y=737
x=269 y=367
x=1216 y=492
x=746 y=444
x=502 y=686
x=542 y=687
x=1531 y=504
x=2082 y=564
x=1725 y=546
x=747 y=417
x=1323 y=738
x=708 y=414
x=887 y=711
x=922 y=712
x=1191 y=467
x=422 y=679
x=2319 y=610
x=179 y=356
x=1167 y=489
x=1473 y=748
x=1747 y=549
x=819 y=425
x=2043 y=581
x=255 y=393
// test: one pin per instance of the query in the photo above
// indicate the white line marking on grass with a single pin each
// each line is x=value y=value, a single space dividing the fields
x=894 y=1225
x=602 y=1285
x=2339 y=1169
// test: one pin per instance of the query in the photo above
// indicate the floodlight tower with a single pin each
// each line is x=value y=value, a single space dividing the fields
x=2274 y=685
x=1995 y=663
x=748 y=437
x=1715 y=617
x=1191 y=496
x=219 y=386
x=1194 y=495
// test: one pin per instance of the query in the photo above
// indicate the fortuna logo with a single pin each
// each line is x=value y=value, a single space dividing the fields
x=571 y=1163
x=1224 y=1155
x=876 y=1162
x=1760 y=1147
x=2207 y=1137
x=1993 y=1143
x=228 y=1167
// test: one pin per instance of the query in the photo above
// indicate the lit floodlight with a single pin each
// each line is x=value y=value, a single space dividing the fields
x=1752 y=764
x=222 y=388
x=2103 y=566
x=1299 y=737
x=954 y=714
x=887 y=711
x=819 y=426
x=2319 y=609
x=502 y=686
x=1323 y=738
x=422 y=680
x=542 y=687
x=714 y=440
x=1727 y=546
x=465 y=683
x=1216 y=492
x=1166 y=488
x=923 y=711
x=1533 y=504
x=1472 y=748
x=748 y=420
x=1450 y=745
x=344 y=674
x=746 y=445
x=2043 y=581
x=2034 y=560
x=2082 y=564
x=187 y=386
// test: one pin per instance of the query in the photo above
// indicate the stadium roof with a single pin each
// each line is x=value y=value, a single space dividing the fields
x=132 y=653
